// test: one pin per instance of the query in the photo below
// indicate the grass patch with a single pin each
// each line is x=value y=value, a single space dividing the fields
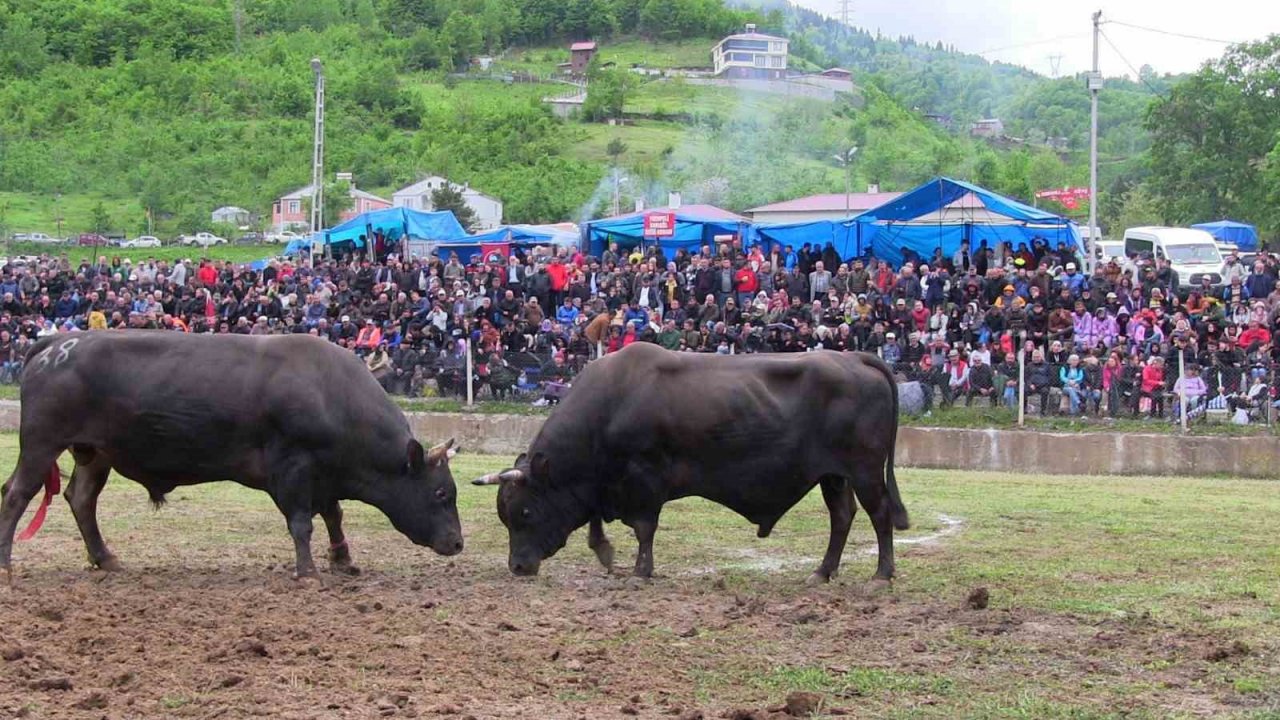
x=30 y=212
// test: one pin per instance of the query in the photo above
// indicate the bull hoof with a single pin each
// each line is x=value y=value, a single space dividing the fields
x=308 y=581
x=109 y=564
x=877 y=585
x=818 y=578
x=604 y=553
x=344 y=568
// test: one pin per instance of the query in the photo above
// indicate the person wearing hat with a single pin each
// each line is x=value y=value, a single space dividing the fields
x=891 y=352
x=368 y=338
x=955 y=373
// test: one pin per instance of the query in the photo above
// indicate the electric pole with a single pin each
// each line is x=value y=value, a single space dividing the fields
x=845 y=12
x=1094 y=84
x=317 y=160
x=1055 y=62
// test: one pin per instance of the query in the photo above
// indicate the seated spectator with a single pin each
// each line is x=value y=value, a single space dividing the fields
x=1151 y=399
x=1071 y=379
x=981 y=380
x=1193 y=387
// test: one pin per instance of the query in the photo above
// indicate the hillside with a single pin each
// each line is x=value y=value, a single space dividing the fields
x=184 y=105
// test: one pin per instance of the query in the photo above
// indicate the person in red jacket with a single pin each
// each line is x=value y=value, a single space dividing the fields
x=746 y=284
x=207 y=274
x=1255 y=334
x=1153 y=386
x=559 y=276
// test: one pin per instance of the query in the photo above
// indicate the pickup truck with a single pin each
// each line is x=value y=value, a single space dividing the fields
x=203 y=239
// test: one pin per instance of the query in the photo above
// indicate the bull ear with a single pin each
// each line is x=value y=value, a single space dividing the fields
x=417 y=456
x=540 y=466
x=440 y=454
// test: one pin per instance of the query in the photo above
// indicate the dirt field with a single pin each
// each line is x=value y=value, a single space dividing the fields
x=1108 y=597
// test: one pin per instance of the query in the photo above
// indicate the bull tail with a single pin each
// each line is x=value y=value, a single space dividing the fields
x=897 y=511
x=52 y=486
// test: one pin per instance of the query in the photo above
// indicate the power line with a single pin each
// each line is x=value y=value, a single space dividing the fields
x=1130 y=65
x=1173 y=34
x=1033 y=43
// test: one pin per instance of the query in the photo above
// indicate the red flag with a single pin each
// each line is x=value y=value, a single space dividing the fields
x=495 y=253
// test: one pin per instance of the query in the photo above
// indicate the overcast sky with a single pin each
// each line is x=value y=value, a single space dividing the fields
x=1005 y=30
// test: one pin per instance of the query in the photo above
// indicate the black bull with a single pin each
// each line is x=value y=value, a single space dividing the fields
x=754 y=433
x=295 y=416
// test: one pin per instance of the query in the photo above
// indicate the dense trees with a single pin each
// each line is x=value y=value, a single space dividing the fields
x=1216 y=140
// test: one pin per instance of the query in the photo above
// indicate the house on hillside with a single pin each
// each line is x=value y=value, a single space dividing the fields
x=417 y=196
x=231 y=215
x=580 y=54
x=837 y=73
x=750 y=55
x=987 y=128
x=292 y=211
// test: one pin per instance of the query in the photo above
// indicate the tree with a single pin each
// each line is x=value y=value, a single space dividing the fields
x=451 y=199
x=100 y=219
x=607 y=92
x=1211 y=136
x=615 y=149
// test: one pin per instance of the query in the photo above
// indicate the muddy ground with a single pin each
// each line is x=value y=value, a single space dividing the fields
x=455 y=640
x=207 y=622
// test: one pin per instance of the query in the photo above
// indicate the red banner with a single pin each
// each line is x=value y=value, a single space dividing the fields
x=494 y=253
x=659 y=225
x=1069 y=197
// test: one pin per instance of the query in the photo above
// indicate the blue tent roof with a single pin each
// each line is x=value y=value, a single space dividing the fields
x=396 y=222
x=941 y=192
x=696 y=225
x=886 y=231
x=1243 y=235
x=524 y=234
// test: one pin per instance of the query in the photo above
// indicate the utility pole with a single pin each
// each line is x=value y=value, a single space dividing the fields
x=317 y=160
x=845 y=12
x=1095 y=84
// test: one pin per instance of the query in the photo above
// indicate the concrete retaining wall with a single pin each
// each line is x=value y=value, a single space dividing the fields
x=948 y=448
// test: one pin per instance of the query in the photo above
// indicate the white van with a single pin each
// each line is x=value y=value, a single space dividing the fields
x=1192 y=253
x=1104 y=250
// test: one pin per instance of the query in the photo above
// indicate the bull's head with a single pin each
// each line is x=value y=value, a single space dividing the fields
x=424 y=502
x=539 y=514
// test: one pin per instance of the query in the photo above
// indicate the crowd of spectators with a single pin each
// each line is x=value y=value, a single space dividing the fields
x=1106 y=342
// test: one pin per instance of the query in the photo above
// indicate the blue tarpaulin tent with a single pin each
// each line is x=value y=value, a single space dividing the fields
x=521 y=236
x=525 y=235
x=1242 y=235
x=941 y=213
x=695 y=226
x=840 y=233
x=394 y=223
x=932 y=216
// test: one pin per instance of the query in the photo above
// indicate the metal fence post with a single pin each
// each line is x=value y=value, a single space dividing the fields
x=1271 y=384
x=1022 y=386
x=470 y=391
x=1182 y=386
x=599 y=349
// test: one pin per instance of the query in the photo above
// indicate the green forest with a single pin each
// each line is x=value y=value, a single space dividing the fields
x=111 y=108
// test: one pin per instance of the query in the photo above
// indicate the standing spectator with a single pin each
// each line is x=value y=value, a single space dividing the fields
x=1152 y=394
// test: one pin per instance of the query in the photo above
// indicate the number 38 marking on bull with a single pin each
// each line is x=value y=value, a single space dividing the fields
x=63 y=354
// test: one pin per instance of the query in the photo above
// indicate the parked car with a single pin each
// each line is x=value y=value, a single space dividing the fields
x=42 y=239
x=284 y=237
x=203 y=239
x=142 y=241
x=249 y=238
x=91 y=239
x=21 y=237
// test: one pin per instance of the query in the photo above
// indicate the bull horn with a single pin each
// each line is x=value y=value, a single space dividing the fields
x=499 y=478
x=443 y=451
